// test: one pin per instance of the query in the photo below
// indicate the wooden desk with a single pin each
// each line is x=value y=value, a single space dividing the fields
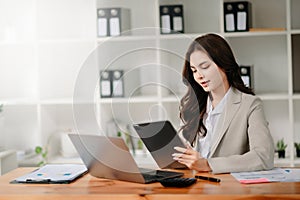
x=88 y=187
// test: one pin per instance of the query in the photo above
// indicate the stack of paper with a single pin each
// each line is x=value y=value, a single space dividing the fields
x=274 y=175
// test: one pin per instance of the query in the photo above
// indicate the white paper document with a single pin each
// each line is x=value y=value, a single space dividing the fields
x=53 y=173
x=274 y=175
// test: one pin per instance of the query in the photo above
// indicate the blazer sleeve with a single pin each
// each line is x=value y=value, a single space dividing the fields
x=247 y=144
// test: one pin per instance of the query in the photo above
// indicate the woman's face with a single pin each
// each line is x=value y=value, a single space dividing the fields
x=206 y=73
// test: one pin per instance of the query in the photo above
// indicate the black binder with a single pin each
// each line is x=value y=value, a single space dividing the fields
x=229 y=17
x=171 y=19
x=117 y=83
x=102 y=22
x=165 y=19
x=244 y=21
x=113 y=21
x=119 y=21
x=177 y=19
x=105 y=84
x=247 y=75
x=237 y=16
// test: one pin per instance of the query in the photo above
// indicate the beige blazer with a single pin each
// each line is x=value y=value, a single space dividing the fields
x=242 y=141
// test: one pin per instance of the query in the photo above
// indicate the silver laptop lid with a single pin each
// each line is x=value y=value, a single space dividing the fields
x=107 y=157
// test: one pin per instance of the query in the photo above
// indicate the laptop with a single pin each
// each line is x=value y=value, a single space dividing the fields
x=109 y=157
x=160 y=138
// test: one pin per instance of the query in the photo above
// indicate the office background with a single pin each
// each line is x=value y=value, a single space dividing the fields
x=45 y=44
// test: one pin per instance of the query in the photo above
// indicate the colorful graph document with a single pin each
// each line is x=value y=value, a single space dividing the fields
x=274 y=175
x=53 y=173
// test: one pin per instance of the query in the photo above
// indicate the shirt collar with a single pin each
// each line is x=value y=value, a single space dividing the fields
x=218 y=109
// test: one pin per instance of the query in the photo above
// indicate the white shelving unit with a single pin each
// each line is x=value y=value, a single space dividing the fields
x=42 y=45
x=47 y=47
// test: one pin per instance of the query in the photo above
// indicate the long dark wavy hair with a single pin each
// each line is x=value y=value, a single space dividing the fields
x=193 y=104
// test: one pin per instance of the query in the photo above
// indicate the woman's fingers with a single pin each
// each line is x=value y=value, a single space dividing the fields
x=191 y=158
x=184 y=154
x=180 y=149
x=184 y=150
x=188 y=145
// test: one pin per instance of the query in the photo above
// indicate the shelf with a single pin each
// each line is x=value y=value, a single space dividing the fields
x=137 y=99
x=295 y=31
x=262 y=32
x=66 y=40
x=65 y=101
x=18 y=101
x=273 y=96
x=21 y=102
x=255 y=33
x=142 y=99
x=57 y=101
x=126 y=38
x=171 y=99
x=296 y=96
x=16 y=43
x=180 y=36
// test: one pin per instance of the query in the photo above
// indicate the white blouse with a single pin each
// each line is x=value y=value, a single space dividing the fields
x=210 y=120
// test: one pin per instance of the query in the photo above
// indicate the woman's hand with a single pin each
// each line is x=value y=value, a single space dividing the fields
x=191 y=158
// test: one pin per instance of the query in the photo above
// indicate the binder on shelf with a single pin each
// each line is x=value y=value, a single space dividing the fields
x=244 y=21
x=111 y=83
x=165 y=19
x=237 y=16
x=117 y=83
x=113 y=21
x=102 y=22
x=229 y=16
x=296 y=62
x=247 y=75
x=171 y=19
x=177 y=18
x=105 y=84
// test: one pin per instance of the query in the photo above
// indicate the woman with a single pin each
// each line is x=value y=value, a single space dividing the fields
x=222 y=119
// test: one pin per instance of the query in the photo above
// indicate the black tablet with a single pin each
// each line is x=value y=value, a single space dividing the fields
x=160 y=138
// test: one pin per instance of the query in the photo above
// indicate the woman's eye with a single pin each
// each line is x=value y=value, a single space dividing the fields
x=205 y=66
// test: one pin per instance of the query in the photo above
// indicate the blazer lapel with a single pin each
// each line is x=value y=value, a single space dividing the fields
x=231 y=107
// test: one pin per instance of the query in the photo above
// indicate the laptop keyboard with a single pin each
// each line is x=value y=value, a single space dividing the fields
x=152 y=178
x=157 y=175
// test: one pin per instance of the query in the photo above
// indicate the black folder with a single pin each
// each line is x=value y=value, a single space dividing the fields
x=247 y=75
x=171 y=19
x=113 y=21
x=117 y=83
x=229 y=17
x=243 y=16
x=237 y=16
x=102 y=22
x=105 y=84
